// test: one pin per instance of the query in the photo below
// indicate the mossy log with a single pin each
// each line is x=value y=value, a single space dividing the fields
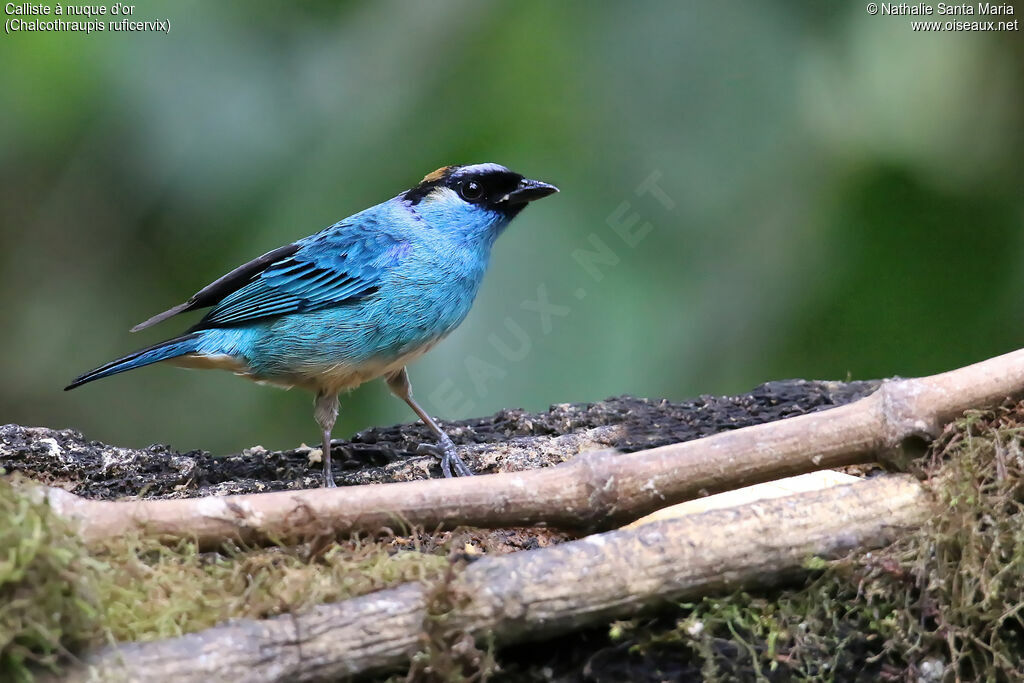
x=686 y=558
x=531 y=595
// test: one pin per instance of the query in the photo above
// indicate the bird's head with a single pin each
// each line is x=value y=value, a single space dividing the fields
x=477 y=198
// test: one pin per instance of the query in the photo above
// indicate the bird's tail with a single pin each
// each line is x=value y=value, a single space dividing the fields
x=171 y=348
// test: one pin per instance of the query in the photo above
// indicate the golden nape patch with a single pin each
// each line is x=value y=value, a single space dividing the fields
x=436 y=175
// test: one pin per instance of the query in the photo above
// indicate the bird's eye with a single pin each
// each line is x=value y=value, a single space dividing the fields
x=471 y=190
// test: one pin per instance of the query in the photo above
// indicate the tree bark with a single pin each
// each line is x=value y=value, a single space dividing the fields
x=597 y=489
x=530 y=595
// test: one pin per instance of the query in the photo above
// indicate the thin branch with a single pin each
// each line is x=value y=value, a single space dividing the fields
x=535 y=594
x=597 y=489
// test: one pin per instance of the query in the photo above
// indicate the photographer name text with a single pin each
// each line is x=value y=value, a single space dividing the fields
x=920 y=9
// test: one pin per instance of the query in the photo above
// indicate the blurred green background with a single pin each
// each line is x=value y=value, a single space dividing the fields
x=843 y=197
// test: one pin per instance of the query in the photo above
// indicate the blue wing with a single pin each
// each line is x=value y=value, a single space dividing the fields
x=338 y=266
x=341 y=264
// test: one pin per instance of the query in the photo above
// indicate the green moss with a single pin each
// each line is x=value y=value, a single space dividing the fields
x=46 y=602
x=945 y=603
x=448 y=654
x=57 y=597
x=151 y=591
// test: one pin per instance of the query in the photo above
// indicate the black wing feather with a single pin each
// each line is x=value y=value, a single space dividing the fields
x=223 y=286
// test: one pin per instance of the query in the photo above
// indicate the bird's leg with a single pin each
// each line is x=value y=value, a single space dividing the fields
x=325 y=410
x=398 y=382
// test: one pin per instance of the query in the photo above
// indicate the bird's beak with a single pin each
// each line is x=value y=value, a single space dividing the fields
x=528 y=191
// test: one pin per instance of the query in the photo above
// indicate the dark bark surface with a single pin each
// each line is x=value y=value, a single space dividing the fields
x=508 y=440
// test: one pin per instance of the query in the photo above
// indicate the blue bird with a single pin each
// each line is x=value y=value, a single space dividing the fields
x=358 y=300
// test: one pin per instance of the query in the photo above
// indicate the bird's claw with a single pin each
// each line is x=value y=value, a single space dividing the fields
x=445 y=450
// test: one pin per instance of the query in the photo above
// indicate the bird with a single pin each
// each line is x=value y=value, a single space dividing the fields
x=360 y=299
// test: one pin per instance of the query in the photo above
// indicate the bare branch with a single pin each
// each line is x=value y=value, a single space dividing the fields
x=534 y=594
x=596 y=489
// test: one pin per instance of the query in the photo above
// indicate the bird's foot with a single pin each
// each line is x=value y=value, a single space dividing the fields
x=445 y=450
